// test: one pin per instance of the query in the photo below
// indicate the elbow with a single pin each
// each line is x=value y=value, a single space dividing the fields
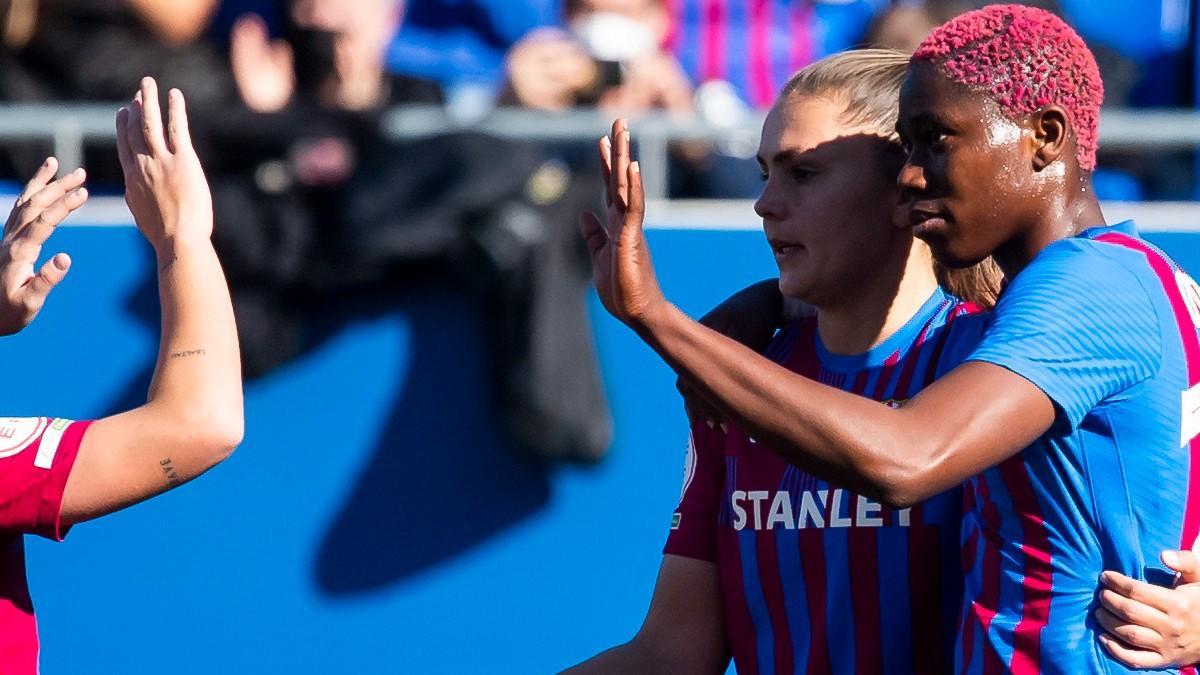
x=904 y=479
x=214 y=435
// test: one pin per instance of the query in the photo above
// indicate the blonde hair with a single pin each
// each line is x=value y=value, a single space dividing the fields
x=866 y=82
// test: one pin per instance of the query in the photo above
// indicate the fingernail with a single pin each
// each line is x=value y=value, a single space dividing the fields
x=77 y=172
x=724 y=428
x=82 y=192
x=61 y=261
x=1170 y=558
x=710 y=424
x=636 y=167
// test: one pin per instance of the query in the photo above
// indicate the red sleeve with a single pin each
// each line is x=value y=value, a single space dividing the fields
x=36 y=456
x=694 y=524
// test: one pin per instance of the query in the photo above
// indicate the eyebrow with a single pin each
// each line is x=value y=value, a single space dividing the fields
x=786 y=154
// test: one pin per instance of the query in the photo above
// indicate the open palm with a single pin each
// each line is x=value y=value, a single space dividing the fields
x=621 y=266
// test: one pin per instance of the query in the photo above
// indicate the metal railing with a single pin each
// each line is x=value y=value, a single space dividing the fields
x=69 y=126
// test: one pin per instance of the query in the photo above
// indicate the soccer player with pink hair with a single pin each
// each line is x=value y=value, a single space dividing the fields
x=1074 y=422
x=55 y=472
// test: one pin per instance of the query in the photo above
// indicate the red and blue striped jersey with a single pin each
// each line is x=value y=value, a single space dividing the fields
x=1106 y=325
x=815 y=578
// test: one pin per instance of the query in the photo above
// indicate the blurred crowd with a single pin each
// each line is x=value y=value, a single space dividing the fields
x=314 y=200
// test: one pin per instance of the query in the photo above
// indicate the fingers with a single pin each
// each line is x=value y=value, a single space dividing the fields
x=123 y=150
x=1185 y=565
x=1130 y=634
x=1135 y=592
x=593 y=233
x=636 y=209
x=1135 y=658
x=152 y=122
x=178 y=133
x=44 y=224
x=606 y=168
x=40 y=178
x=43 y=199
x=1133 y=611
x=133 y=128
x=53 y=272
x=620 y=163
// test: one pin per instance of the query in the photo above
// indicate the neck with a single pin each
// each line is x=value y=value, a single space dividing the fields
x=1068 y=213
x=866 y=319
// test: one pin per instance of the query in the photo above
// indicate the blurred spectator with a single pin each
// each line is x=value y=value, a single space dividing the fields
x=100 y=49
x=332 y=54
x=315 y=205
x=756 y=45
x=610 y=56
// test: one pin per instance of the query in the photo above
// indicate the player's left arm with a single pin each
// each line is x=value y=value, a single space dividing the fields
x=1148 y=626
x=971 y=419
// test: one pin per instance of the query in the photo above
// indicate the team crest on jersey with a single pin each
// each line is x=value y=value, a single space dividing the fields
x=17 y=433
x=1191 y=295
x=689 y=467
x=895 y=402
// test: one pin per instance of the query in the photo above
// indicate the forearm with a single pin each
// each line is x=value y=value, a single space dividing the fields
x=631 y=657
x=844 y=438
x=197 y=377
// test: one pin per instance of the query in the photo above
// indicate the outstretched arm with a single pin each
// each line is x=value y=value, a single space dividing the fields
x=193 y=416
x=969 y=420
x=683 y=629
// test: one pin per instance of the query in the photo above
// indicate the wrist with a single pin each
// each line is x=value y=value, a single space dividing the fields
x=655 y=320
x=175 y=246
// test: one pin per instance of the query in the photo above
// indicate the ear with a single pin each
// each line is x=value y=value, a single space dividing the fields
x=1050 y=132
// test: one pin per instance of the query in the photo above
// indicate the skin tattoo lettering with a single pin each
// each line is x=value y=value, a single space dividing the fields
x=168 y=470
x=190 y=352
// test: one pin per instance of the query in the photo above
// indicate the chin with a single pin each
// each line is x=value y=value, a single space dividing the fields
x=951 y=256
x=795 y=289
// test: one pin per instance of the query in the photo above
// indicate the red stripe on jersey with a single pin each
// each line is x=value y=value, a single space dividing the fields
x=1039 y=574
x=713 y=29
x=928 y=651
x=772 y=587
x=863 y=547
x=739 y=625
x=1191 y=348
x=812 y=561
x=970 y=549
x=984 y=607
x=761 y=91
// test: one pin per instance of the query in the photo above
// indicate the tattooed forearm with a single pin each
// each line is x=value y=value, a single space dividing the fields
x=168 y=470
x=189 y=352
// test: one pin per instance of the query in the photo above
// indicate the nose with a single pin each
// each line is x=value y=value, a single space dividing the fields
x=768 y=206
x=912 y=177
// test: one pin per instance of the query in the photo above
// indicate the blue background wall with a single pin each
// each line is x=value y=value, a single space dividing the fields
x=371 y=522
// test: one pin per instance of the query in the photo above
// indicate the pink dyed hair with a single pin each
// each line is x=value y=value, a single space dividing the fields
x=1025 y=59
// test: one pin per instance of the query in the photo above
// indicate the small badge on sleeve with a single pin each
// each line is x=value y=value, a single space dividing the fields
x=17 y=433
x=50 y=442
x=1190 y=415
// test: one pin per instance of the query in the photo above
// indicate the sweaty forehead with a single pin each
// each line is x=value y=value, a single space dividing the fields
x=927 y=95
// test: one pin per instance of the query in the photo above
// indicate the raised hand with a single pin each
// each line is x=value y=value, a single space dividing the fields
x=165 y=186
x=43 y=204
x=624 y=275
x=262 y=68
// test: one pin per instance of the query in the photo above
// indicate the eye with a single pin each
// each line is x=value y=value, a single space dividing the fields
x=801 y=174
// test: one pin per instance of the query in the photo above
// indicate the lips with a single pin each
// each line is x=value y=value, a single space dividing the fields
x=925 y=218
x=783 y=249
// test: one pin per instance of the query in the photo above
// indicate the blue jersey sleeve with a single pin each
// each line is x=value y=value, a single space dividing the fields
x=1077 y=323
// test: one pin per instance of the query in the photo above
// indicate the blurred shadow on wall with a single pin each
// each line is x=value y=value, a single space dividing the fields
x=441 y=478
